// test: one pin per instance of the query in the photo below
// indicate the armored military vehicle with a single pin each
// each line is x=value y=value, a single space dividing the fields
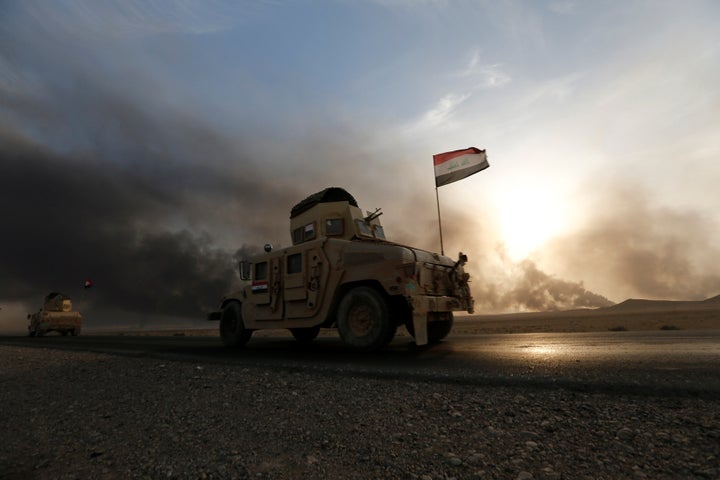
x=341 y=272
x=55 y=315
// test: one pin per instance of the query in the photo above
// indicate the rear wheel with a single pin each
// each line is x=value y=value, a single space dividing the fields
x=31 y=333
x=75 y=332
x=305 y=335
x=232 y=330
x=363 y=320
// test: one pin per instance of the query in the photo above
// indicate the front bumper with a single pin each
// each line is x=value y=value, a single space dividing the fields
x=423 y=305
x=439 y=303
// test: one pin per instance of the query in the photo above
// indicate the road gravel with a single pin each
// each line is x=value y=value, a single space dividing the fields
x=69 y=414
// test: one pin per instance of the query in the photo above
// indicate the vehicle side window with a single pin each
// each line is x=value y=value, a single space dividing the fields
x=297 y=235
x=303 y=234
x=379 y=232
x=261 y=271
x=309 y=233
x=333 y=226
x=294 y=263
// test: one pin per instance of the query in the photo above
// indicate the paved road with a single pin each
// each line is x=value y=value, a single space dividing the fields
x=672 y=363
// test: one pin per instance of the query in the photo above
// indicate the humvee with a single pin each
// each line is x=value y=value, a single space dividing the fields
x=55 y=315
x=341 y=272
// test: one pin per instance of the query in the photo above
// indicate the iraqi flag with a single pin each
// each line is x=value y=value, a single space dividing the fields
x=453 y=166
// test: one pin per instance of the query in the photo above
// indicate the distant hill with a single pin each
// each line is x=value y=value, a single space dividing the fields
x=642 y=305
x=715 y=299
x=632 y=314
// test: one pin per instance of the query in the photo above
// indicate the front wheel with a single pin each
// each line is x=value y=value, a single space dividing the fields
x=437 y=329
x=363 y=320
x=232 y=330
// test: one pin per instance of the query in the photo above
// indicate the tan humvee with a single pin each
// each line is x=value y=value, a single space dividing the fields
x=55 y=315
x=341 y=272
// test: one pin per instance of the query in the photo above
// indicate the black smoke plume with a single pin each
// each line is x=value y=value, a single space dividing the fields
x=67 y=219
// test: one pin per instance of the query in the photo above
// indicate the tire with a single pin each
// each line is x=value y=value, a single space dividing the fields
x=439 y=329
x=436 y=330
x=31 y=333
x=305 y=335
x=65 y=332
x=363 y=320
x=75 y=332
x=232 y=330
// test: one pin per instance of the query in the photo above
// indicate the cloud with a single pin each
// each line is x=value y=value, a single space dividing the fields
x=442 y=111
x=474 y=78
x=485 y=76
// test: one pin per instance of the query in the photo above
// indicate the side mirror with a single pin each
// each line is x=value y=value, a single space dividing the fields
x=244 y=269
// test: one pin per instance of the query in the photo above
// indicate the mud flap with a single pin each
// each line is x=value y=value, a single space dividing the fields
x=420 y=326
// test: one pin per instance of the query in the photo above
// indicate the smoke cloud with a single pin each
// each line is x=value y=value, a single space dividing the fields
x=499 y=284
x=527 y=288
x=135 y=229
x=68 y=219
x=632 y=246
x=148 y=201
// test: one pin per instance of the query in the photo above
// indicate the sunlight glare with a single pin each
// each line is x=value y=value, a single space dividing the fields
x=529 y=218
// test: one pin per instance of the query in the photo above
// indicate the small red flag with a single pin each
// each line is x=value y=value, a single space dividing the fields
x=88 y=283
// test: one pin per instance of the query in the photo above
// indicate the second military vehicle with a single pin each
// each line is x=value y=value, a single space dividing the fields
x=56 y=315
x=341 y=272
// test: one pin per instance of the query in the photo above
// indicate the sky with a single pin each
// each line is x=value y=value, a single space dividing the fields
x=148 y=145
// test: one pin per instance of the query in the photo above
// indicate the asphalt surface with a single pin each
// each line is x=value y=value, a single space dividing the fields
x=657 y=363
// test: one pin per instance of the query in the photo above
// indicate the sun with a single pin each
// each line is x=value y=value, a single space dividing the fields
x=528 y=218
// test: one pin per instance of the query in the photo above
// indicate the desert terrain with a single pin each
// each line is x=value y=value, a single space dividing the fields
x=630 y=315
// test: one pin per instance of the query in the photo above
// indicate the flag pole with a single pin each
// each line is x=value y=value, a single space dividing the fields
x=437 y=198
x=453 y=166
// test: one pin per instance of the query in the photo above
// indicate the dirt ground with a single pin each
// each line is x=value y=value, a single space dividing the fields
x=590 y=321
x=632 y=315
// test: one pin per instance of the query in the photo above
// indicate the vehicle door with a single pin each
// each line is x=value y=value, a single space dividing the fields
x=266 y=289
x=305 y=280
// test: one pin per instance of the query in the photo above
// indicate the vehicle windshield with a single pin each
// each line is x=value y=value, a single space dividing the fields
x=370 y=231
